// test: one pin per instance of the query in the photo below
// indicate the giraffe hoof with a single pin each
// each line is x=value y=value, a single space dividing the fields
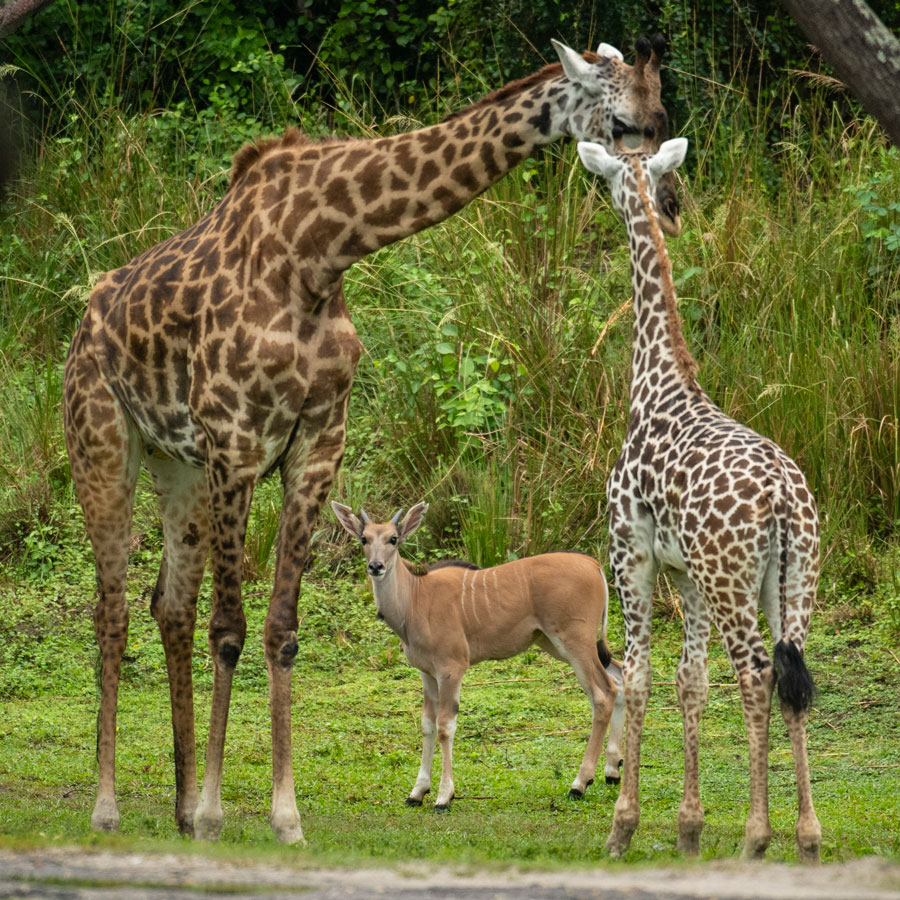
x=105 y=816
x=575 y=794
x=808 y=854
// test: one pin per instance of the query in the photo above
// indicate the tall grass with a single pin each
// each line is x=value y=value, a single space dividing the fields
x=494 y=382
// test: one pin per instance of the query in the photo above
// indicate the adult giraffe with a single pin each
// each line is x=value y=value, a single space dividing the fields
x=226 y=352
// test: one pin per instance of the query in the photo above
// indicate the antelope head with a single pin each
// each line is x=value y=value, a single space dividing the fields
x=380 y=542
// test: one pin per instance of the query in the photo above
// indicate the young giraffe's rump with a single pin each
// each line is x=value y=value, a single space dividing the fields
x=227 y=351
x=726 y=513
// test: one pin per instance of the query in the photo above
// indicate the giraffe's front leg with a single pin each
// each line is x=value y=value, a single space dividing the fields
x=230 y=489
x=634 y=573
x=308 y=474
x=692 y=685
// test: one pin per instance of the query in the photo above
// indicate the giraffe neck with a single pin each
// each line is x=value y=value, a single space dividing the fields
x=328 y=204
x=660 y=355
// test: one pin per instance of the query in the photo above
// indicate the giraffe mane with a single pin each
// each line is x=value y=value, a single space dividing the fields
x=259 y=147
x=683 y=358
x=552 y=70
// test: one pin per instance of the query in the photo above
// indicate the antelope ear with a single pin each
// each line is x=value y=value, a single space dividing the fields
x=574 y=66
x=598 y=161
x=345 y=516
x=412 y=520
x=609 y=51
x=668 y=158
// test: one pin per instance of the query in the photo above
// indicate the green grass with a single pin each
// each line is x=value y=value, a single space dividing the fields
x=523 y=727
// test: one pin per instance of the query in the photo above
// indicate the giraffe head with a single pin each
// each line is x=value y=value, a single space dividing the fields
x=617 y=103
x=622 y=171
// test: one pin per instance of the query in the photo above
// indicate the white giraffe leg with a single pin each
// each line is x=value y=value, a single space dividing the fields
x=429 y=734
x=692 y=682
x=634 y=572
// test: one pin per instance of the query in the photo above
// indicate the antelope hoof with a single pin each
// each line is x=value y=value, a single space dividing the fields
x=575 y=794
x=413 y=801
x=613 y=779
x=444 y=807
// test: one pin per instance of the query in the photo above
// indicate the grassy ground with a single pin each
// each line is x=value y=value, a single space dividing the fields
x=523 y=726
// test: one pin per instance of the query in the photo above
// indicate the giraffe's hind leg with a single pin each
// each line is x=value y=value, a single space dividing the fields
x=104 y=454
x=229 y=485
x=183 y=507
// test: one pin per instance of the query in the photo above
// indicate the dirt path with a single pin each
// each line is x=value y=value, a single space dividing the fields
x=76 y=874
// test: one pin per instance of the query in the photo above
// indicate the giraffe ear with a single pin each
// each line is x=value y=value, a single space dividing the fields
x=668 y=158
x=575 y=67
x=609 y=51
x=598 y=161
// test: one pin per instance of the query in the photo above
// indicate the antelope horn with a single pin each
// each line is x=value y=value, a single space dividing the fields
x=396 y=517
x=363 y=517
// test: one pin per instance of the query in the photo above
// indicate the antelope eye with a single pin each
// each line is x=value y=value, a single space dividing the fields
x=393 y=540
x=363 y=541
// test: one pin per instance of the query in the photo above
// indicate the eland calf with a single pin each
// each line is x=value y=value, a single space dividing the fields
x=456 y=615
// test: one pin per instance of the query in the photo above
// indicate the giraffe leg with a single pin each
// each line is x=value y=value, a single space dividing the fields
x=429 y=733
x=104 y=455
x=692 y=681
x=801 y=588
x=183 y=506
x=634 y=572
x=756 y=679
x=229 y=487
x=808 y=831
x=308 y=474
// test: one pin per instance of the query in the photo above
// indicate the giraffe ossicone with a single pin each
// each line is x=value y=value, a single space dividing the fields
x=725 y=512
x=227 y=351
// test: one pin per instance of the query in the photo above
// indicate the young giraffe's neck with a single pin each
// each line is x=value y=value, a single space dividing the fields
x=660 y=355
x=328 y=204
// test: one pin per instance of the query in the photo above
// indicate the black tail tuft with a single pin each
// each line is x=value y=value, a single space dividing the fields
x=795 y=684
x=604 y=653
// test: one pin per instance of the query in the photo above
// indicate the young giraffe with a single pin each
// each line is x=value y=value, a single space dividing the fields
x=721 y=509
x=227 y=352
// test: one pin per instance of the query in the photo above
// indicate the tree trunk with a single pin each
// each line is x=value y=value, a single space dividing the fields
x=864 y=53
x=14 y=14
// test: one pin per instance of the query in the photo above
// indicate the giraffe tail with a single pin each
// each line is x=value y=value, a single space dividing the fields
x=795 y=684
x=792 y=677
